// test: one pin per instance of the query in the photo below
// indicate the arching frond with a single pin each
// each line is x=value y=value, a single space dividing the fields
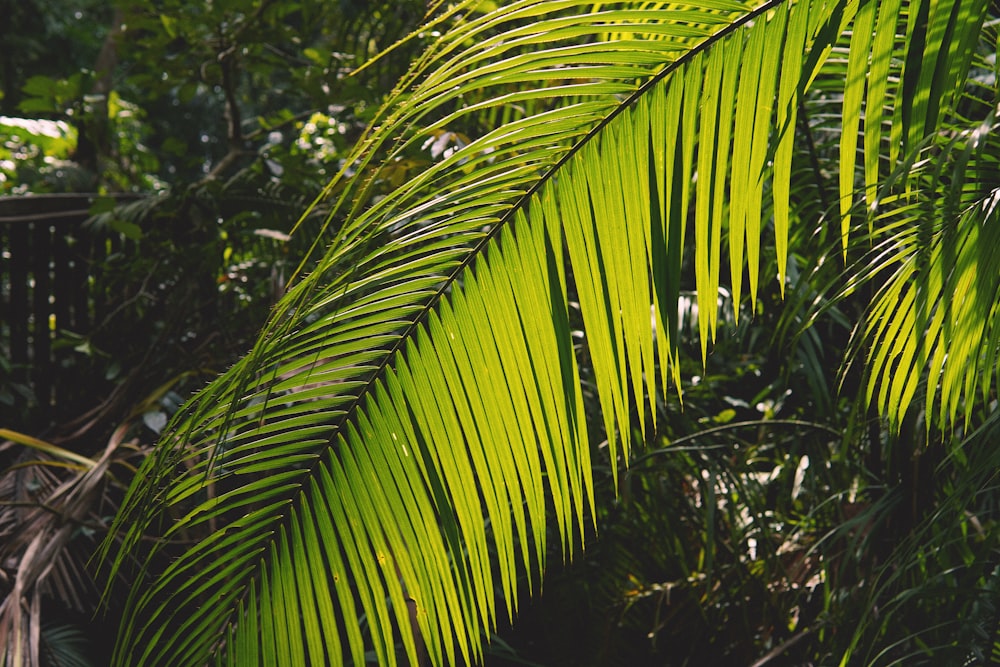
x=914 y=96
x=933 y=321
x=411 y=417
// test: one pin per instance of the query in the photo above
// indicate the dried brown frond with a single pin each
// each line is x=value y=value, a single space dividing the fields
x=51 y=509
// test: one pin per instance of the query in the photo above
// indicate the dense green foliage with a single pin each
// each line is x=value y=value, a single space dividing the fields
x=707 y=290
x=228 y=119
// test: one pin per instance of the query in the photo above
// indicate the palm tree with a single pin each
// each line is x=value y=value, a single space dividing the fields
x=382 y=467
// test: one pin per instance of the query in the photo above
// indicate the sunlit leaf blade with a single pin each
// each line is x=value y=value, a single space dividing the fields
x=854 y=89
x=789 y=90
x=878 y=98
x=761 y=149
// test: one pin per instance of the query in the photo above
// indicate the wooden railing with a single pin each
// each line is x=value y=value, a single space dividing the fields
x=50 y=285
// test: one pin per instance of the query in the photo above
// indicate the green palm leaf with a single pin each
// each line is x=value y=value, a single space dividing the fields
x=932 y=221
x=933 y=320
x=908 y=63
x=411 y=418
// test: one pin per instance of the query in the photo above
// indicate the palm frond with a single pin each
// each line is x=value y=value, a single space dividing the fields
x=51 y=502
x=933 y=320
x=907 y=65
x=65 y=646
x=414 y=405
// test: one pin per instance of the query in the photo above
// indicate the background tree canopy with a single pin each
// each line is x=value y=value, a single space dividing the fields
x=707 y=288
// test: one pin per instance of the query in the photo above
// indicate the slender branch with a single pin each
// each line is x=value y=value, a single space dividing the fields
x=232 y=114
x=55 y=511
x=228 y=160
x=228 y=63
x=673 y=446
x=259 y=132
x=782 y=647
x=140 y=293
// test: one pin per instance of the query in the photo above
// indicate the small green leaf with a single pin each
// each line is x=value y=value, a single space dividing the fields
x=131 y=230
x=170 y=25
x=725 y=416
x=40 y=86
x=315 y=56
x=33 y=104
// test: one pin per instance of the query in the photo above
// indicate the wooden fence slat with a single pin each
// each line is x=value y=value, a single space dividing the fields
x=62 y=278
x=50 y=283
x=82 y=251
x=17 y=317
x=41 y=288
